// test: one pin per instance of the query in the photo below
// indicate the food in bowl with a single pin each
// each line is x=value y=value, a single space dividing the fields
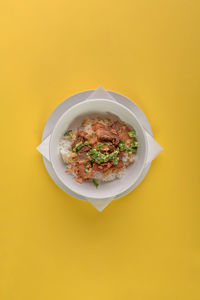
x=99 y=150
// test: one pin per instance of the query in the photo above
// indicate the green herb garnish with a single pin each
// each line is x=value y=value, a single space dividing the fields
x=99 y=146
x=122 y=146
x=131 y=150
x=115 y=161
x=86 y=170
x=97 y=156
x=114 y=157
x=100 y=157
x=133 y=147
x=68 y=133
x=134 y=144
x=95 y=183
x=114 y=154
x=87 y=143
x=132 y=133
x=77 y=147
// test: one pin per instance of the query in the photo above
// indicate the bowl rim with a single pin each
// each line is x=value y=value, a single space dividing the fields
x=124 y=191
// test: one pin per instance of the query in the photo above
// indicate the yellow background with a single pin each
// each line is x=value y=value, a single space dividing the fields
x=145 y=245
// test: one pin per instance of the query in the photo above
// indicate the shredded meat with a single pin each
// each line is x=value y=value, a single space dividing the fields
x=123 y=134
x=106 y=166
x=102 y=167
x=82 y=158
x=78 y=139
x=120 y=129
x=97 y=125
x=81 y=172
x=108 y=148
x=116 y=125
x=84 y=149
x=93 y=140
x=120 y=155
x=120 y=165
x=79 y=179
x=83 y=134
x=106 y=135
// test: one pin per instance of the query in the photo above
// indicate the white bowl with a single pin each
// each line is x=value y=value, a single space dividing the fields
x=73 y=118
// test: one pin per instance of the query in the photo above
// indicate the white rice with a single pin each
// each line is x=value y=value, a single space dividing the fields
x=128 y=159
x=87 y=128
x=65 y=148
x=110 y=177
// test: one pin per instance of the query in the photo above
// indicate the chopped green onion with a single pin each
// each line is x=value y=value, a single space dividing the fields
x=115 y=161
x=114 y=154
x=100 y=157
x=79 y=147
x=131 y=150
x=99 y=146
x=122 y=146
x=133 y=147
x=114 y=157
x=68 y=133
x=134 y=144
x=132 y=133
x=86 y=170
x=87 y=143
x=95 y=183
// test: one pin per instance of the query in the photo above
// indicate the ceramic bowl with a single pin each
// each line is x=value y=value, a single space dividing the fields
x=72 y=119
